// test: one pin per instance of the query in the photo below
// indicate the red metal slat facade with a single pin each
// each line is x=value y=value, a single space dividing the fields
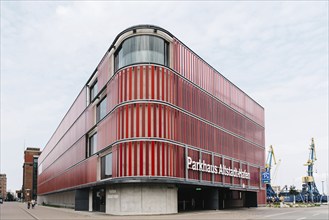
x=155 y=115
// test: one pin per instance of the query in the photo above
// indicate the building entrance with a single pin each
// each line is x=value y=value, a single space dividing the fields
x=213 y=198
x=197 y=198
x=99 y=199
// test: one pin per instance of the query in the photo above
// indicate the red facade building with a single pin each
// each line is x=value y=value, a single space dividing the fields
x=155 y=129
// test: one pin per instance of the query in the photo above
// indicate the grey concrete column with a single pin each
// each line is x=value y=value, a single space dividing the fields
x=250 y=175
x=90 y=200
x=241 y=169
x=232 y=178
x=186 y=169
x=200 y=172
x=223 y=176
x=212 y=163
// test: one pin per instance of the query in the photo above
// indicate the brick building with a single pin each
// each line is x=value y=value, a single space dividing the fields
x=30 y=173
x=3 y=186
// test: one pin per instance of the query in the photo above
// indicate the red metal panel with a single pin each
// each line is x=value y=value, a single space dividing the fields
x=153 y=158
x=73 y=134
x=63 y=180
x=135 y=150
x=206 y=75
x=167 y=86
x=120 y=160
x=170 y=160
x=130 y=83
x=245 y=168
x=157 y=76
x=163 y=121
x=147 y=83
x=141 y=83
x=236 y=165
x=121 y=86
x=228 y=164
x=154 y=120
x=160 y=107
x=261 y=197
x=146 y=153
x=129 y=161
x=152 y=82
x=112 y=93
x=217 y=162
x=163 y=158
x=137 y=120
x=74 y=155
x=254 y=176
x=124 y=159
x=76 y=109
x=114 y=161
x=206 y=176
x=125 y=84
x=135 y=76
x=143 y=120
x=103 y=74
x=149 y=131
x=141 y=159
x=193 y=174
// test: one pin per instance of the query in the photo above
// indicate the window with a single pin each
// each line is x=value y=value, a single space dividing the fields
x=93 y=91
x=92 y=144
x=101 y=110
x=142 y=49
x=106 y=166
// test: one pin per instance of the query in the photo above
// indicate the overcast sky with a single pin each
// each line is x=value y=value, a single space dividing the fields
x=277 y=52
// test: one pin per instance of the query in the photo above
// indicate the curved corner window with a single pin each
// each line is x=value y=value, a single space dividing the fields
x=142 y=49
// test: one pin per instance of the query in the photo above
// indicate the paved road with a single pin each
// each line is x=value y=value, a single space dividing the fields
x=14 y=210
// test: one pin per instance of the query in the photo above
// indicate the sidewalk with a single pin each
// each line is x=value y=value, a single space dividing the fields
x=16 y=210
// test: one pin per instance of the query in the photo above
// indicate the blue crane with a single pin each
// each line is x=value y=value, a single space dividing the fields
x=270 y=193
x=309 y=190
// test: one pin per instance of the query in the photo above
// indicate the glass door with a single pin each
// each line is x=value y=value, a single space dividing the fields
x=99 y=200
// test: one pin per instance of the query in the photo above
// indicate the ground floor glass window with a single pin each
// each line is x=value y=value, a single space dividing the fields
x=106 y=166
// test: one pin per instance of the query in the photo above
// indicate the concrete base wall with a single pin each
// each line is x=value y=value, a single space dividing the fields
x=141 y=199
x=64 y=199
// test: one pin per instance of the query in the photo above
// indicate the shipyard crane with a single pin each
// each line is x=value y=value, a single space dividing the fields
x=275 y=173
x=270 y=194
x=309 y=191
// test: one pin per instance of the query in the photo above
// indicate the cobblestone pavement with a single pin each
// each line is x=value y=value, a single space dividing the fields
x=15 y=210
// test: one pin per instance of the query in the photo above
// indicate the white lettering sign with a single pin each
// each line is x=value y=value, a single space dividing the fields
x=220 y=169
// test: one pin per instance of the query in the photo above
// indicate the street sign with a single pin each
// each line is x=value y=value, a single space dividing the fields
x=266 y=177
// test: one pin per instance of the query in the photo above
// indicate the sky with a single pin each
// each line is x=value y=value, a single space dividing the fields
x=276 y=52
